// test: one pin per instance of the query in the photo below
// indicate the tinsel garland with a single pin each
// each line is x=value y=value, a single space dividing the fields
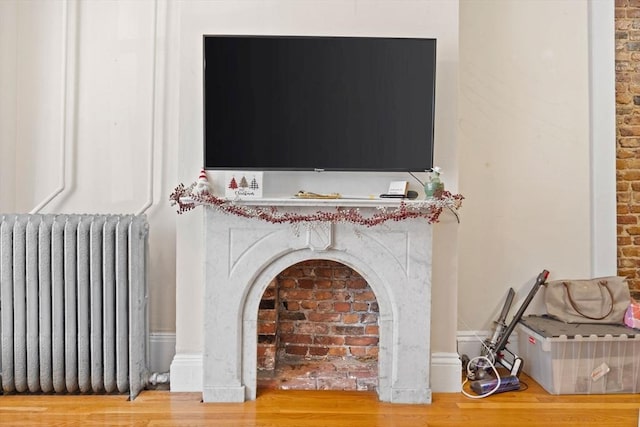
x=186 y=199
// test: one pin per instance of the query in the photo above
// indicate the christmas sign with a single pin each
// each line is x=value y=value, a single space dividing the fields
x=243 y=185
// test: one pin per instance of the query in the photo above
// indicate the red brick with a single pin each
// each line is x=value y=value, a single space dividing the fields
x=308 y=305
x=318 y=351
x=300 y=384
x=324 y=317
x=629 y=175
x=369 y=318
x=297 y=350
x=372 y=330
x=357 y=283
x=319 y=328
x=286 y=326
x=342 y=296
x=323 y=295
x=358 y=351
x=337 y=383
x=348 y=330
x=296 y=294
x=633 y=231
x=627 y=219
x=269 y=293
x=324 y=306
x=293 y=305
x=338 y=284
x=341 y=272
x=324 y=284
x=342 y=307
x=328 y=340
x=296 y=338
x=292 y=272
x=629 y=142
x=306 y=283
x=364 y=296
x=373 y=351
x=626 y=272
x=360 y=306
x=627 y=263
x=350 y=318
x=287 y=284
x=324 y=272
x=266 y=328
x=267 y=315
x=360 y=341
x=338 y=351
x=625 y=241
x=630 y=252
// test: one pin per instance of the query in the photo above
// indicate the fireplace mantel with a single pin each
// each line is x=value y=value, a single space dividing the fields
x=284 y=202
x=243 y=255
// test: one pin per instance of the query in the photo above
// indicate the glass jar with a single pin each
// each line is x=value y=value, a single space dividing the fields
x=433 y=188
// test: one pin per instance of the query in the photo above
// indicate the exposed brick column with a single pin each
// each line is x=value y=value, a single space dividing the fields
x=628 y=138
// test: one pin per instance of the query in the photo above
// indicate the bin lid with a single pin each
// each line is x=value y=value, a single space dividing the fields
x=549 y=327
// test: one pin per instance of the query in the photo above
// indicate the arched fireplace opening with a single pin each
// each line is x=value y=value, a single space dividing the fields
x=318 y=329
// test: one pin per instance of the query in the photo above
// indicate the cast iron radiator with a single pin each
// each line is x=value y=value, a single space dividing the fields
x=73 y=303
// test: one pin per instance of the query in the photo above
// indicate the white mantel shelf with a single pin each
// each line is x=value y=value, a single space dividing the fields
x=297 y=202
x=341 y=202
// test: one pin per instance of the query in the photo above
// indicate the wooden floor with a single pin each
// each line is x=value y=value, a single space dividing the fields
x=533 y=407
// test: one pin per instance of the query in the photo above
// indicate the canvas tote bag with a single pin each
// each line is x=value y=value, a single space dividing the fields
x=601 y=300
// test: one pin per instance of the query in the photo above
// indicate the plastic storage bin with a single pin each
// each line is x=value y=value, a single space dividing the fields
x=566 y=358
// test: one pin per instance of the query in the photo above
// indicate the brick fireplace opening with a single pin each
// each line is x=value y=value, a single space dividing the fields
x=318 y=330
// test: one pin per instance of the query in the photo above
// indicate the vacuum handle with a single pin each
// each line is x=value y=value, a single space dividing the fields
x=540 y=280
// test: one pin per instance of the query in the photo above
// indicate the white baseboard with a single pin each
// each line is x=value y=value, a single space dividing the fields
x=445 y=373
x=470 y=342
x=186 y=369
x=162 y=349
x=446 y=368
x=186 y=372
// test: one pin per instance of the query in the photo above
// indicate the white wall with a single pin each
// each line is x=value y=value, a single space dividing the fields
x=101 y=112
x=82 y=120
x=527 y=160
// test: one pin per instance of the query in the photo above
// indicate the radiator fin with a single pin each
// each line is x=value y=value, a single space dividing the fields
x=73 y=303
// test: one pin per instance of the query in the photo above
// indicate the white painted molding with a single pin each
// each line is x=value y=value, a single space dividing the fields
x=162 y=349
x=445 y=373
x=67 y=107
x=186 y=372
x=186 y=368
x=159 y=18
x=602 y=110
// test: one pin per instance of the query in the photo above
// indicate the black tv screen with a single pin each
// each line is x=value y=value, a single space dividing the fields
x=319 y=103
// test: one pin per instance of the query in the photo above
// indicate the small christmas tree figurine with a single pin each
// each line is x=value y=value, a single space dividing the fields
x=233 y=184
x=254 y=184
x=202 y=185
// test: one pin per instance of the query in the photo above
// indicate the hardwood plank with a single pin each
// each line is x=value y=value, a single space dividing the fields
x=533 y=407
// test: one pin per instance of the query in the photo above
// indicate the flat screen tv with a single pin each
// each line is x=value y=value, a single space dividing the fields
x=318 y=103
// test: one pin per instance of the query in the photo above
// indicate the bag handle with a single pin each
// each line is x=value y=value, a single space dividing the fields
x=602 y=283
